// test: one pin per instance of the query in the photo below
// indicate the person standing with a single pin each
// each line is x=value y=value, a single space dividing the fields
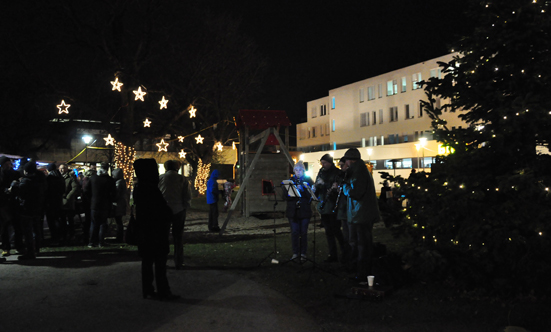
x=67 y=225
x=327 y=195
x=176 y=191
x=299 y=212
x=9 y=214
x=213 y=195
x=362 y=211
x=153 y=223
x=228 y=190
x=54 y=200
x=86 y=201
x=120 y=201
x=102 y=192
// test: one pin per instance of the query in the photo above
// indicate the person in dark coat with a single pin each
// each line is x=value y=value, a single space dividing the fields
x=152 y=223
x=299 y=212
x=120 y=201
x=362 y=211
x=86 y=201
x=327 y=194
x=9 y=214
x=30 y=192
x=54 y=200
x=213 y=195
x=103 y=192
x=72 y=190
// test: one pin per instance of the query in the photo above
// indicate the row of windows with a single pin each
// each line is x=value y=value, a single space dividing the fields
x=374 y=117
x=323 y=110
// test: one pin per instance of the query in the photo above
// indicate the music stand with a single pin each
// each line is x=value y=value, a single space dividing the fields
x=268 y=189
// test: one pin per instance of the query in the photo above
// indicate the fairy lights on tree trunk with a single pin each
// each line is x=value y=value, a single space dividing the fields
x=124 y=159
x=202 y=177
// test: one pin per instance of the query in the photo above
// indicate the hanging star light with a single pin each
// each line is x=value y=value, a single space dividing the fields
x=116 y=84
x=63 y=108
x=147 y=123
x=192 y=112
x=199 y=139
x=182 y=154
x=139 y=94
x=162 y=146
x=219 y=146
x=109 y=140
x=181 y=139
x=163 y=102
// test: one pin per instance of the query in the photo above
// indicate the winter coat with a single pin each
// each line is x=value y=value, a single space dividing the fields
x=152 y=211
x=103 y=191
x=213 y=193
x=56 y=189
x=6 y=179
x=342 y=213
x=299 y=208
x=72 y=190
x=363 y=206
x=175 y=190
x=323 y=184
x=120 y=199
x=31 y=191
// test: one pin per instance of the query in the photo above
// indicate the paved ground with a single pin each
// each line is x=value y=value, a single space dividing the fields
x=99 y=290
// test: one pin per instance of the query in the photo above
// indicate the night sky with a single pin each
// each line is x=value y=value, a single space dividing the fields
x=315 y=46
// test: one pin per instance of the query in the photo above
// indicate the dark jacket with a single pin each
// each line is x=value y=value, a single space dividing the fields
x=120 y=199
x=213 y=193
x=342 y=213
x=31 y=191
x=363 y=207
x=55 y=190
x=326 y=196
x=103 y=191
x=72 y=190
x=6 y=179
x=299 y=208
x=152 y=212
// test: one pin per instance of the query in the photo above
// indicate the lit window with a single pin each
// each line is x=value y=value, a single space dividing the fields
x=391 y=87
x=437 y=72
x=371 y=93
x=333 y=126
x=404 y=85
x=332 y=103
x=415 y=79
x=361 y=95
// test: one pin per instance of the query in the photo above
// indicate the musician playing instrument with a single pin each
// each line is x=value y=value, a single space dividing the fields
x=327 y=194
x=299 y=212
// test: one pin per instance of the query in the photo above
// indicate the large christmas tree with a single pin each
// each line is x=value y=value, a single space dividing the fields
x=482 y=217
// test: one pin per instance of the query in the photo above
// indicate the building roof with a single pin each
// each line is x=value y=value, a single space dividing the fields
x=261 y=119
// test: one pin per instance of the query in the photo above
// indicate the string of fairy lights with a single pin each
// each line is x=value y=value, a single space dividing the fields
x=125 y=155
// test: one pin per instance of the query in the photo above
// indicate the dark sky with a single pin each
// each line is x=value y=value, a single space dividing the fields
x=315 y=46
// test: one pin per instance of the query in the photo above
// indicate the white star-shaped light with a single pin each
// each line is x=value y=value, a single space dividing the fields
x=199 y=139
x=163 y=102
x=63 y=108
x=147 y=123
x=116 y=84
x=219 y=146
x=109 y=140
x=139 y=94
x=181 y=139
x=192 y=112
x=182 y=154
x=162 y=146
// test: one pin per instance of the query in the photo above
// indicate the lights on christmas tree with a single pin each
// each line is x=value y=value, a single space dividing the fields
x=63 y=108
x=181 y=139
x=139 y=94
x=124 y=159
x=163 y=102
x=182 y=154
x=202 y=176
x=162 y=146
x=116 y=84
x=199 y=139
x=109 y=140
x=192 y=112
x=147 y=123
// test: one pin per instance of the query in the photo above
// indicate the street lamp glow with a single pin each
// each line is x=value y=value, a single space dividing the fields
x=87 y=139
x=423 y=142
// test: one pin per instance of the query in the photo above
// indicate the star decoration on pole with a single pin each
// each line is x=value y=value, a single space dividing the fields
x=116 y=84
x=109 y=140
x=63 y=108
x=192 y=112
x=181 y=139
x=199 y=139
x=147 y=123
x=182 y=154
x=219 y=146
x=139 y=94
x=162 y=146
x=163 y=102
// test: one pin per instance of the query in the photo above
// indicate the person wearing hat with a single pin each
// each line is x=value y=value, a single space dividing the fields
x=54 y=200
x=30 y=192
x=103 y=193
x=153 y=217
x=327 y=195
x=9 y=207
x=362 y=211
